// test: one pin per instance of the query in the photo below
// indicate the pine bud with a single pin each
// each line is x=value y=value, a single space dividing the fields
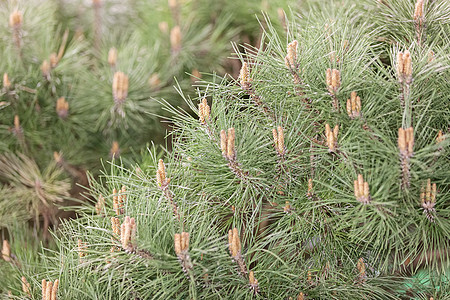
x=196 y=75
x=44 y=289
x=46 y=68
x=223 y=142
x=116 y=202
x=26 y=286
x=331 y=137
x=406 y=141
x=15 y=19
x=53 y=60
x=428 y=199
x=115 y=150
x=361 y=189
x=55 y=289
x=120 y=87
x=154 y=81
x=112 y=57
x=6 y=82
x=161 y=179
x=231 y=151
x=301 y=296
x=6 y=251
x=204 y=111
x=181 y=243
x=173 y=4
x=291 y=57
x=418 y=12
x=17 y=130
x=431 y=56
x=234 y=243
x=82 y=250
x=310 y=187
x=282 y=17
x=361 y=266
x=163 y=27
x=404 y=67
x=100 y=205
x=253 y=282
x=333 y=79
x=128 y=233
x=287 y=207
x=175 y=39
x=62 y=108
x=244 y=77
x=354 y=106
x=278 y=137
x=440 y=137
x=115 y=224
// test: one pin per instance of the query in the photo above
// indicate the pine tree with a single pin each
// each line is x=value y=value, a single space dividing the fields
x=321 y=173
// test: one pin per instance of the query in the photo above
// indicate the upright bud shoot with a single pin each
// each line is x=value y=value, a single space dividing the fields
x=120 y=91
x=128 y=234
x=26 y=288
x=100 y=205
x=161 y=179
x=278 y=138
x=112 y=57
x=204 y=111
x=331 y=137
x=404 y=67
x=428 y=199
x=6 y=251
x=291 y=57
x=62 y=108
x=333 y=80
x=175 y=39
x=6 y=82
x=244 y=77
x=253 y=282
x=405 y=146
x=354 y=106
x=49 y=289
x=361 y=266
x=115 y=150
x=361 y=189
x=181 y=243
x=15 y=22
x=82 y=250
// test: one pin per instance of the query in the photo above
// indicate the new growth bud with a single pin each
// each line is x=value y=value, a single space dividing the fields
x=404 y=67
x=6 y=251
x=428 y=199
x=175 y=39
x=62 y=108
x=418 y=13
x=49 y=289
x=112 y=57
x=361 y=266
x=405 y=146
x=291 y=57
x=115 y=225
x=26 y=288
x=361 y=189
x=114 y=152
x=120 y=87
x=244 y=77
x=227 y=144
x=333 y=78
x=15 y=19
x=100 y=205
x=354 y=106
x=161 y=175
x=82 y=250
x=253 y=282
x=204 y=111
x=278 y=139
x=331 y=137
x=6 y=82
x=181 y=242
x=128 y=234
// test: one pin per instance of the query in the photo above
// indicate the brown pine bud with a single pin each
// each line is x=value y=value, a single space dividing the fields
x=223 y=142
x=53 y=60
x=401 y=140
x=100 y=205
x=196 y=75
x=234 y=243
x=204 y=111
x=431 y=55
x=154 y=81
x=252 y=280
x=310 y=187
x=331 y=137
x=26 y=288
x=120 y=87
x=115 y=150
x=354 y=106
x=55 y=289
x=336 y=79
x=280 y=144
x=329 y=78
x=440 y=137
x=291 y=57
x=161 y=175
x=404 y=67
x=6 y=251
x=6 y=82
x=44 y=289
x=15 y=19
x=231 y=151
x=173 y=4
x=175 y=39
x=112 y=57
x=287 y=207
x=301 y=296
x=62 y=108
x=184 y=241
x=282 y=17
x=45 y=68
x=82 y=250
x=244 y=76
x=115 y=224
x=418 y=11
x=17 y=130
x=361 y=189
x=163 y=27
x=48 y=291
x=177 y=241
x=361 y=266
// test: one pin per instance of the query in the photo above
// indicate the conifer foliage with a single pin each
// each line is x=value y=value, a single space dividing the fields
x=321 y=173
